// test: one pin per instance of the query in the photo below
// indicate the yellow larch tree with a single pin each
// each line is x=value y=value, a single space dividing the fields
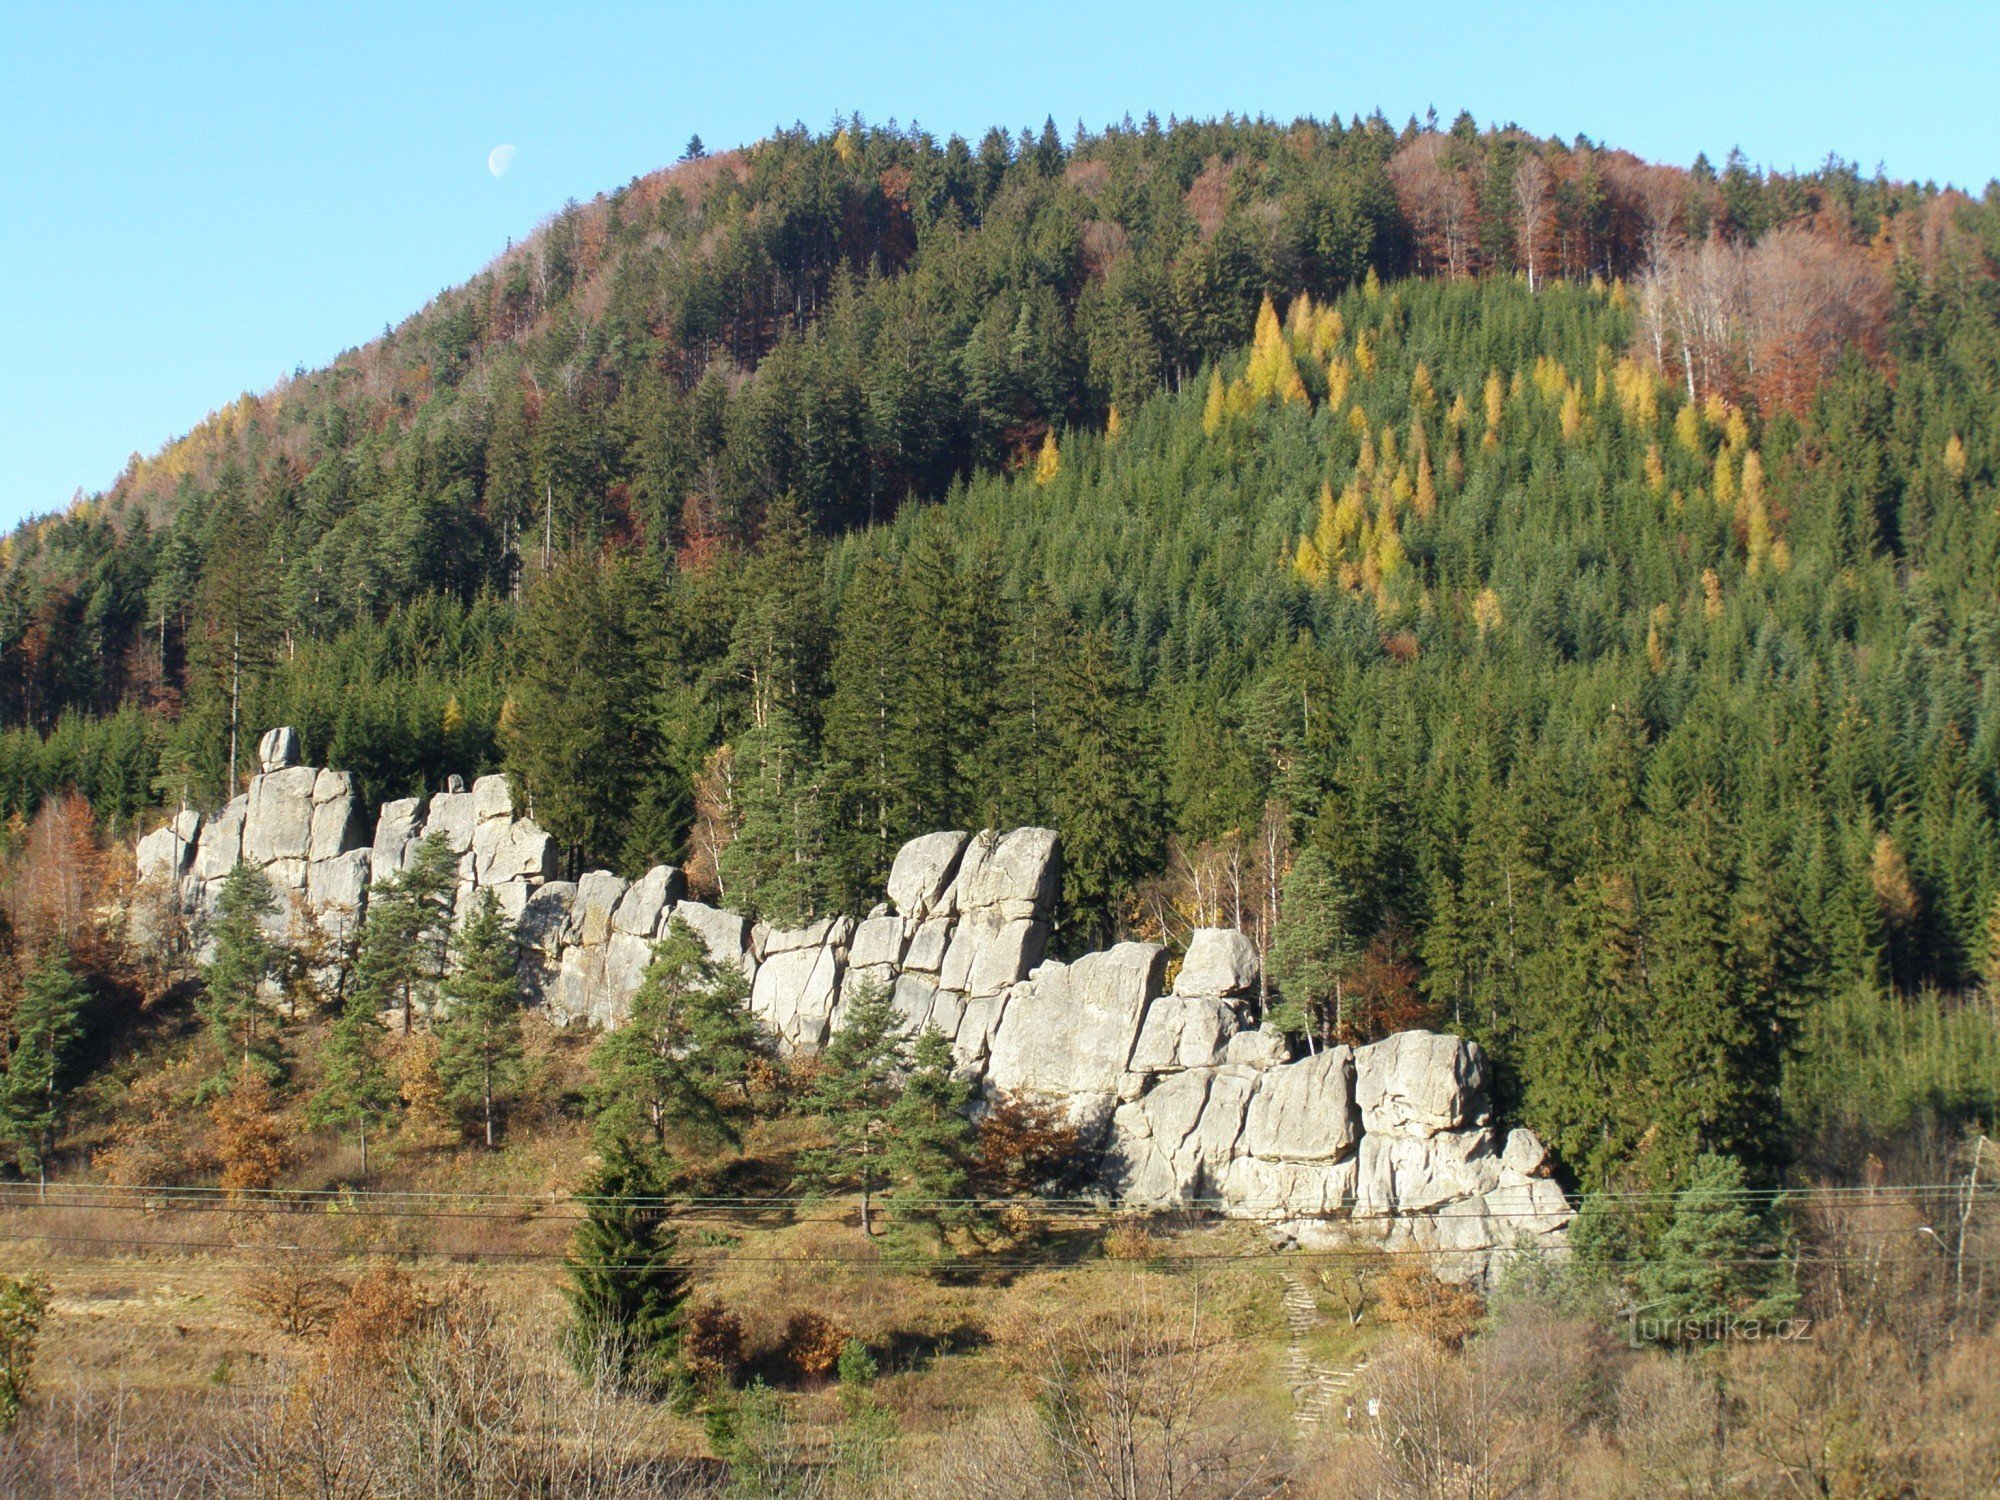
x=1048 y=463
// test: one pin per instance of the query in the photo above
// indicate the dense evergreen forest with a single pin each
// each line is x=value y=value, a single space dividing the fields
x=1530 y=590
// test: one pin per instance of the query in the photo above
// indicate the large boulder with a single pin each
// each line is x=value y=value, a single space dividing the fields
x=878 y=942
x=724 y=934
x=928 y=946
x=597 y=896
x=336 y=815
x=278 y=818
x=1184 y=1031
x=492 y=797
x=1411 y=1174
x=1417 y=1083
x=923 y=871
x=221 y=842
x=794 y=993
x=639 y=910
x=1304 y=1111
x=1017 y=874
x=506 y=849
x=1066 y=1034
x=339 y=883
x=1220 y=961
x=278 y=750
x=456 y=816
x=396 y=831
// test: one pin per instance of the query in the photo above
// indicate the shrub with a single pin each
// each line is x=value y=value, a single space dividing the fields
x=24 y=1302
x=1412 y=1297
x=813 y=1343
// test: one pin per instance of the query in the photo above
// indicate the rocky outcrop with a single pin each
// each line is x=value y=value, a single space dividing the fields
x=1181 y=1096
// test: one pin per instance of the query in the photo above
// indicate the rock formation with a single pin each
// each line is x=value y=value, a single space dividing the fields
x=1180 y=1095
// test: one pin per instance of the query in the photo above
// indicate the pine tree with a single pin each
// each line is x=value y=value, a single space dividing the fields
x=479 y=1037
x=930 y=1146
x=627 y=1288
x=677 y=1066
x=244 y=958
x=856 y=1087
x=47 y=1026
x=355 y=1089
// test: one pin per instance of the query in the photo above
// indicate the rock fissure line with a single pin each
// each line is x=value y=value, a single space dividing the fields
x=1180 y=1095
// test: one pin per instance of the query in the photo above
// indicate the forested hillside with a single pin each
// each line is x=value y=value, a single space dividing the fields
x=1525 y=588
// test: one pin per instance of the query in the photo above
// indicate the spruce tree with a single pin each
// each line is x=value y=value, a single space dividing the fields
x=1316 y=947
x=1721 y=1256
x=676 y=1067
x=479 y=1035
x=243 y=959
x=355 y=1089
x=47 y=1027
x=626 y=1286
x=857 y=1084
x=930 y=1146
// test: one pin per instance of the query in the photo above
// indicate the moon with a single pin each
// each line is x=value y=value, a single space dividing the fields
x=499 y=159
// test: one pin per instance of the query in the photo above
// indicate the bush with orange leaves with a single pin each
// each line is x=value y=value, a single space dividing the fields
x=383 y=1314
x=253 y=1143
x=812 y=1343
x=1411 y=1296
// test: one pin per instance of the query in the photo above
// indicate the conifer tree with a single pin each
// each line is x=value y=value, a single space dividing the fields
x=575 y=742
x=244 y=958
x=931 y=1145
x=677 y=1066
x=47 y=1025
x=406 y=932
x=627 y=1287
x=1720 y=1258
x=479 y=1036
x=1316 y=948
x=853 y=1093
x=355 y=1089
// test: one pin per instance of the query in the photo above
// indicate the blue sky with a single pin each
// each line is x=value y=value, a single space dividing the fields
x=196 y=198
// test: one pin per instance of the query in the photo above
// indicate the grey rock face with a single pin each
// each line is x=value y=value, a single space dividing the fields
x=277 y=750
x=396 y=827
x=507 y=849
x=1304 y=1111
x=1185 y=1031
x=923 y=871
x=724 y=934
x=340 y=883
x=278 y=817
x=492 y=797
x=1067 y=1032
x=166 y=855
x=1419 y=1083
x=1017 y=874
x=454 y=815
x=1391 y=1141
x=1220 y=961
x=221 y=842
x=794 y=993
x=877 y=942
x=990 y=951
x=638 y=911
